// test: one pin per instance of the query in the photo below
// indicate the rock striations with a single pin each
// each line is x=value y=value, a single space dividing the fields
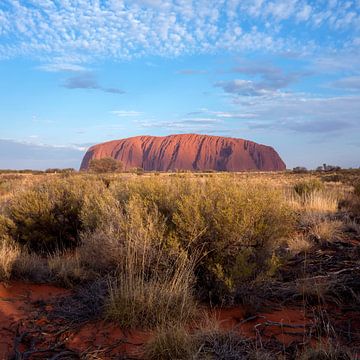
x=187 y=152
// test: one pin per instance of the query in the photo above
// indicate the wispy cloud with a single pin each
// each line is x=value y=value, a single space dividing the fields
x=272 y=77
x=87 y=80
x=37 y=156
x=244 y=88
x=61 y=67
x=191 y=72
x=351 y=83
x=126 y=113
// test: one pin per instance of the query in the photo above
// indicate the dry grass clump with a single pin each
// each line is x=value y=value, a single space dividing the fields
x=329 y=352
x=136 y=301
x=207 y=342
x=152 y=287
x=299 y=243
x=9 y=253
x=323 y=202
x=66 y=269
x=31 y=267
x=171 y=342
x=327 y=230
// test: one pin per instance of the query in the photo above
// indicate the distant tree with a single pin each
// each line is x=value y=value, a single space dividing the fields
x=105 y=165
x=331 y=167
x=300 y=169
x=59 y=171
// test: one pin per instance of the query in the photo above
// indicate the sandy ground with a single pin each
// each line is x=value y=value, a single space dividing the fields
x=27 y=328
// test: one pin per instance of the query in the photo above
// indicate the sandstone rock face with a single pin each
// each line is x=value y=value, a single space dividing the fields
x=187 y=152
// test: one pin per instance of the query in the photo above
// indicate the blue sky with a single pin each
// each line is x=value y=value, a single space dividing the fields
x=285 y=73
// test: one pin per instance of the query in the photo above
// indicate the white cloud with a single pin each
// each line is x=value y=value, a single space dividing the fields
x=65 y=34
x=305 y=13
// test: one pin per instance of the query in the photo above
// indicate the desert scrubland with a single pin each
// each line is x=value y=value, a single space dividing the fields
x=180 y=265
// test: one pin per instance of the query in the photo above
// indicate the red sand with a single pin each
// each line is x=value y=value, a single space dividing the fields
x=187 y=152
x=15 y=306
x=17 y=309
x=234 y=319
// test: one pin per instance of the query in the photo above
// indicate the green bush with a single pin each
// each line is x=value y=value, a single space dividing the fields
x=231 y=225
x=105 y=165
x=51 y=215
x=235 y=226
x=307 y=187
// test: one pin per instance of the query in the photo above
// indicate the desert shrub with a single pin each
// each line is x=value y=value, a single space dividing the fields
x=105 y=165
x=47 y=216
x=160 y=191
x=233 y=225
x=236 y=227
x=51 y=215
x=307 y=187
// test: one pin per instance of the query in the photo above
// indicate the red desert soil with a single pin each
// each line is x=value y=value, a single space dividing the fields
x=16 y=305
x=24 y=310
x=187 y=152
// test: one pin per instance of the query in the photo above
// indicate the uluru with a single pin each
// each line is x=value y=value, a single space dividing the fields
x=187 y=152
